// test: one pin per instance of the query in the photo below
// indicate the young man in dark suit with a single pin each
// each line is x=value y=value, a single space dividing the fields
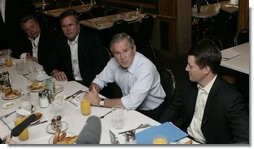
x=212 y=111
x=39 y=43
x=78 y=55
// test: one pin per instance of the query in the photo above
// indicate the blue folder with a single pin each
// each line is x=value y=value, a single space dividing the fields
x=167 y=129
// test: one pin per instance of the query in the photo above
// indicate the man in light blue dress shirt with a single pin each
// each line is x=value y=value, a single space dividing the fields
x=135 y=74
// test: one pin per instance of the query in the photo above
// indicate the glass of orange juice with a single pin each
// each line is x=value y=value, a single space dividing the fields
x=8 y=62
x=85 y=106
x=160 y=139
x=24 y=134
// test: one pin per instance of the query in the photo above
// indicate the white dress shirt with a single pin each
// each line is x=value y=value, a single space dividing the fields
x=140 y=83
x=35 y=43
x=194 y=130
x=74 y=59
x=2 y=8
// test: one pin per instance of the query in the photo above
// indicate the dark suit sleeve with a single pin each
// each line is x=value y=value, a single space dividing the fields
x=98 y=58
x=173 y=111
x=54 y=57
x=238 y=119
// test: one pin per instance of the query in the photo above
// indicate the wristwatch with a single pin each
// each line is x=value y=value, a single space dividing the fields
x=102 y=102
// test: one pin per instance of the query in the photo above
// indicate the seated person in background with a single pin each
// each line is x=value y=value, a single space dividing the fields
x=40 y=43
x=136 y=75
x=212 y=111
x=77 y=56
x=11 y=35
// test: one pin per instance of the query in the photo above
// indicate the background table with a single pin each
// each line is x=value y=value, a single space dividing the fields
x=240 y=62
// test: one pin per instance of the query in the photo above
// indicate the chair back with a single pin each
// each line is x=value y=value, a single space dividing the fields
x=168 y=84
x=145 y=28
x=107 y=53
x=241 y=37
x=120 y=26
x=97 y=11
x=224 y=30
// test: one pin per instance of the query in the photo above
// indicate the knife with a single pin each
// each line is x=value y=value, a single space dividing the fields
x=39 y=123
x=74 y=95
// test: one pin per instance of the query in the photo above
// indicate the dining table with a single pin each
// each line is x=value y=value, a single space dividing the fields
x=79 y=8
x=212 y=10
x=71 y=116
x=237 y=58
x=105 y=22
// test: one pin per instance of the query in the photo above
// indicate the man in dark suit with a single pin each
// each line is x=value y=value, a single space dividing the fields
x=11 y=35
x=39 y=43
x=77 y=56
x=212 y=111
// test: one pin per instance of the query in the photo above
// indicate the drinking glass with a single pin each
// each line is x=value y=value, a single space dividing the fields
x=160 y=139
x=24 y=134
x=117 y=117
x=85 y=107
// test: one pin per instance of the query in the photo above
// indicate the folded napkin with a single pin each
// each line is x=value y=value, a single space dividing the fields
x=229 y=54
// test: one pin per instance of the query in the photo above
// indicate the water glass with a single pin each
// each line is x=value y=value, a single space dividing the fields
x=57 y=108
x=117 y=117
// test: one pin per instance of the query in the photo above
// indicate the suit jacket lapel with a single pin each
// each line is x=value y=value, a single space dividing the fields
x=211 y=101
x=80 y=48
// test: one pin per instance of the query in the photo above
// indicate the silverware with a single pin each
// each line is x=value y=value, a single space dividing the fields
x=105 y=114
x=139 y=127
x=6 y=115
x=37 y=123
x=74 y=95
x=113 y=138
x=73 y=103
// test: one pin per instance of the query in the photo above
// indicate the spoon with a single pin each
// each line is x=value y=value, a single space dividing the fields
x=139 y=127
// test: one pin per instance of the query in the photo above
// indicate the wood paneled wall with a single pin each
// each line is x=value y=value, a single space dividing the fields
x=168 y=14
x=243 y=15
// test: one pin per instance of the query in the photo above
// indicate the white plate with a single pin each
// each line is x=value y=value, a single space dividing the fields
x=26 y=111
x=39 y=89
x=68 y=134
x=8 y=105
x=11 y=98
x=51 y=130
x=40 y=79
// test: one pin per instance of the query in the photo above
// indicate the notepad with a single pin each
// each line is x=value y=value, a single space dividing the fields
x=167 y=129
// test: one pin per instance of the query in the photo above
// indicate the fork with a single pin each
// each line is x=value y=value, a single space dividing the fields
x=139 y=127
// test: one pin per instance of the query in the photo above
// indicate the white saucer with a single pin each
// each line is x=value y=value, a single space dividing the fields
x=8 y=105
x=51 y=130
x=26 y=110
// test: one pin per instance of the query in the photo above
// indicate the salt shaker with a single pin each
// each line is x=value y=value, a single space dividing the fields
x=130 y=137
x=43 y=100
